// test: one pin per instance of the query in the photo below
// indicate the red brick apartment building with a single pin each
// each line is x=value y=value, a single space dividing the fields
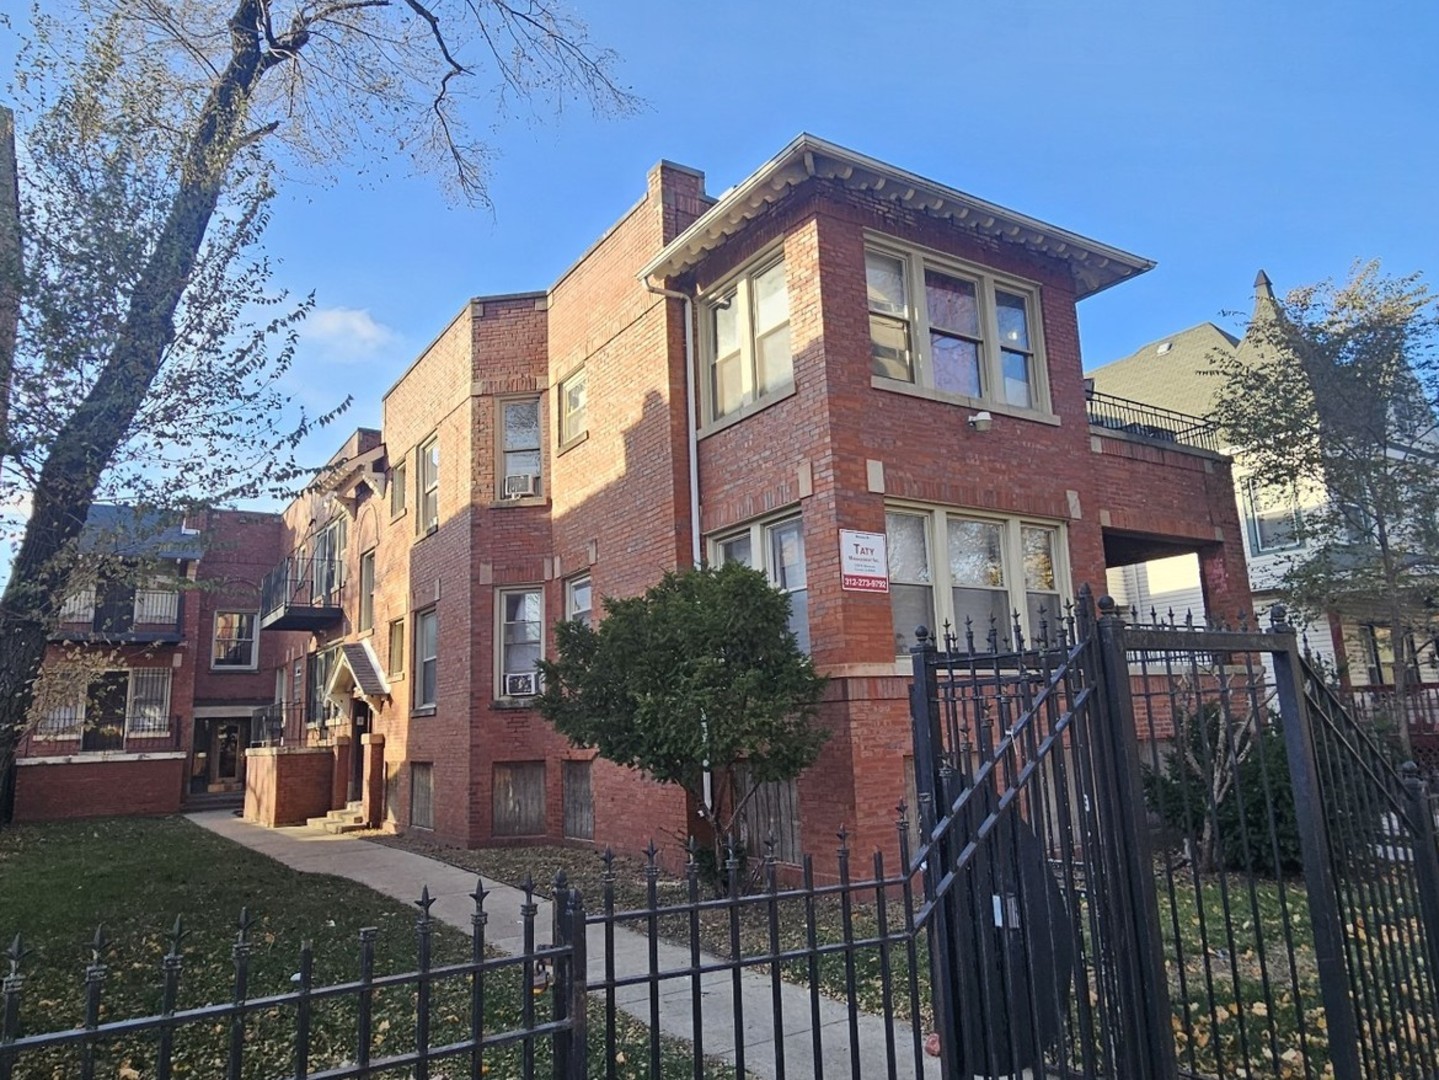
x=158 y=670
x=833 y=345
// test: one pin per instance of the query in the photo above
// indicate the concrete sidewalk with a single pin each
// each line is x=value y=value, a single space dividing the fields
x=400 y=875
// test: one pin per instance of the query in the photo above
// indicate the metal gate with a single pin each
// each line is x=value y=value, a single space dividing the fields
x=1167 y=850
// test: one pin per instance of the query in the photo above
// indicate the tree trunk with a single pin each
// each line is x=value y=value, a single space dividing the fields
x=84 y=446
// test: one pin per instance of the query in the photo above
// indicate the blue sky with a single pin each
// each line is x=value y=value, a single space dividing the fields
x=1215 y=138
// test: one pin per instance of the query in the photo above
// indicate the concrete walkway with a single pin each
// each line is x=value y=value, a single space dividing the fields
x=400 y=874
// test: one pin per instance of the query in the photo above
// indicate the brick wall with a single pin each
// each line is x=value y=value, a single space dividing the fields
x=286 y=785
x=95 y=787
x=616 y=504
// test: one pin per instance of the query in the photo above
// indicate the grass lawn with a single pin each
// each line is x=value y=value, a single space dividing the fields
x=59 y=881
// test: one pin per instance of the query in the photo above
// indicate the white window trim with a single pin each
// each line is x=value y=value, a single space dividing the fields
x=499 y=625
x=1251 y=520
x=570 y=609
x=254 y=641
x=941 y=591
x=916 y=258
x=740 y=284
x=568 y=435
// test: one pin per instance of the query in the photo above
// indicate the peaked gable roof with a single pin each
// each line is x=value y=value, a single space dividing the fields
x=1169 y=372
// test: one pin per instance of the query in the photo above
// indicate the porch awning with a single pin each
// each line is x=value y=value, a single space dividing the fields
x=358 y=674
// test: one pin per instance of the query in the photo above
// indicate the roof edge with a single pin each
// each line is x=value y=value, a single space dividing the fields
x=808 y=156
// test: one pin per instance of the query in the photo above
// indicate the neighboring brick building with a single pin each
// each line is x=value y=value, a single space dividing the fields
x=833 y=344
x=152 y=676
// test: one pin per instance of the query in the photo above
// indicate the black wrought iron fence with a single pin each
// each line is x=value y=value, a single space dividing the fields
x=1144 y=852
x=550 y=1025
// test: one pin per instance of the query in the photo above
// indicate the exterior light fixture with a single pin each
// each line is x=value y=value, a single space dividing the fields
x=981 y=421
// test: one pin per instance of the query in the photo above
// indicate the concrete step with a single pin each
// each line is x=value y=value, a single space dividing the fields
x=350 y=818
x=338 y=828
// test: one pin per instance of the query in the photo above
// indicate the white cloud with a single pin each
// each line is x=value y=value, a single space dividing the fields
x=345 y=335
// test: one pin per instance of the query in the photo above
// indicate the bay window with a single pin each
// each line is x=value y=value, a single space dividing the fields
x=952 y=329
x=988 y=569
x=748 y=340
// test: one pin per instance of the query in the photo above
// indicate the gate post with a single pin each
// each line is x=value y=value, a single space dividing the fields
x=1426 y=859
x=1313 y=826
x=930 y=790
x=1143 y=977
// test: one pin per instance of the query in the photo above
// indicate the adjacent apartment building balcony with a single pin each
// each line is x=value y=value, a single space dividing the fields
x=120 y=613
x=1149 y=423
x=302 y=594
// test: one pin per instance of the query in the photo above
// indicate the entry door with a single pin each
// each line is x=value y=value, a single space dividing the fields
x=226 y=760
x=359 y=724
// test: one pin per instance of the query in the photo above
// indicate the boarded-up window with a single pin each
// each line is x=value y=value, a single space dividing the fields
x=772 y=812
x=579 y=801
x=519 y=799
x=422 y=795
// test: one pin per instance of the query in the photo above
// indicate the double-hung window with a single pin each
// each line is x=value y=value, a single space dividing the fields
x=976 y=573
x=748 y=340
x=574 y=407
x=367 y=590
x=579 y=600
x=522 y=614
x=777 y=548
x=520 y=448
x=1273 y=514
x=235 y=639
x=428 y=487
x=395 y=662
x=399 y=477
x=953 y=329
x=426 y=658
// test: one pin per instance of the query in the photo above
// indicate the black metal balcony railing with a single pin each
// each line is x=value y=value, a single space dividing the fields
x=301 y=594
x=1151 y=422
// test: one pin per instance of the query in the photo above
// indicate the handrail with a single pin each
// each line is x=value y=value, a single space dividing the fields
x=1151 y=421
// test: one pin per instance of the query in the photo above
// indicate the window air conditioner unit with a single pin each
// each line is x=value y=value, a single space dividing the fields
x=523 y=684
x=517 y=487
